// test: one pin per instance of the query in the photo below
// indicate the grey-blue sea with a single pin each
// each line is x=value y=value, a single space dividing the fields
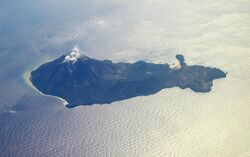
x=171 y=123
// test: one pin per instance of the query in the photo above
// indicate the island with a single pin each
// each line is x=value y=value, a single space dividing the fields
x=81 y=80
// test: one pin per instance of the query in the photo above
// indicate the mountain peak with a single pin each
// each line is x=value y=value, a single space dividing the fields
x=75 y=55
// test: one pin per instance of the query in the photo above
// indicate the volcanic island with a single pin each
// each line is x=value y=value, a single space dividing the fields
x=81 y=80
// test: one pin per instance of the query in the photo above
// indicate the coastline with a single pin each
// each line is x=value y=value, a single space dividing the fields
x=26 y=76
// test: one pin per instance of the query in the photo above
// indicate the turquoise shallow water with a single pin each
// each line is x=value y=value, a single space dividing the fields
x=173 y=122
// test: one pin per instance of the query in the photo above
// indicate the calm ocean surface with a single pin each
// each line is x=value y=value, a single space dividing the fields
x=171 y=123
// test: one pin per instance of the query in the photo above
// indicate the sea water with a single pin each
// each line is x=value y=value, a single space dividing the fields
x=171 y=123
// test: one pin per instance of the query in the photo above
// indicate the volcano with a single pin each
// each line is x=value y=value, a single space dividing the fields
x=81 y=80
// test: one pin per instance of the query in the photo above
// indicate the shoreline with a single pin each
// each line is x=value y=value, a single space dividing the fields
x=26 y=76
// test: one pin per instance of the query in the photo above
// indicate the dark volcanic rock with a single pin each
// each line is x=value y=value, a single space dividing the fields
x=85 y=81
x=181 y=59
